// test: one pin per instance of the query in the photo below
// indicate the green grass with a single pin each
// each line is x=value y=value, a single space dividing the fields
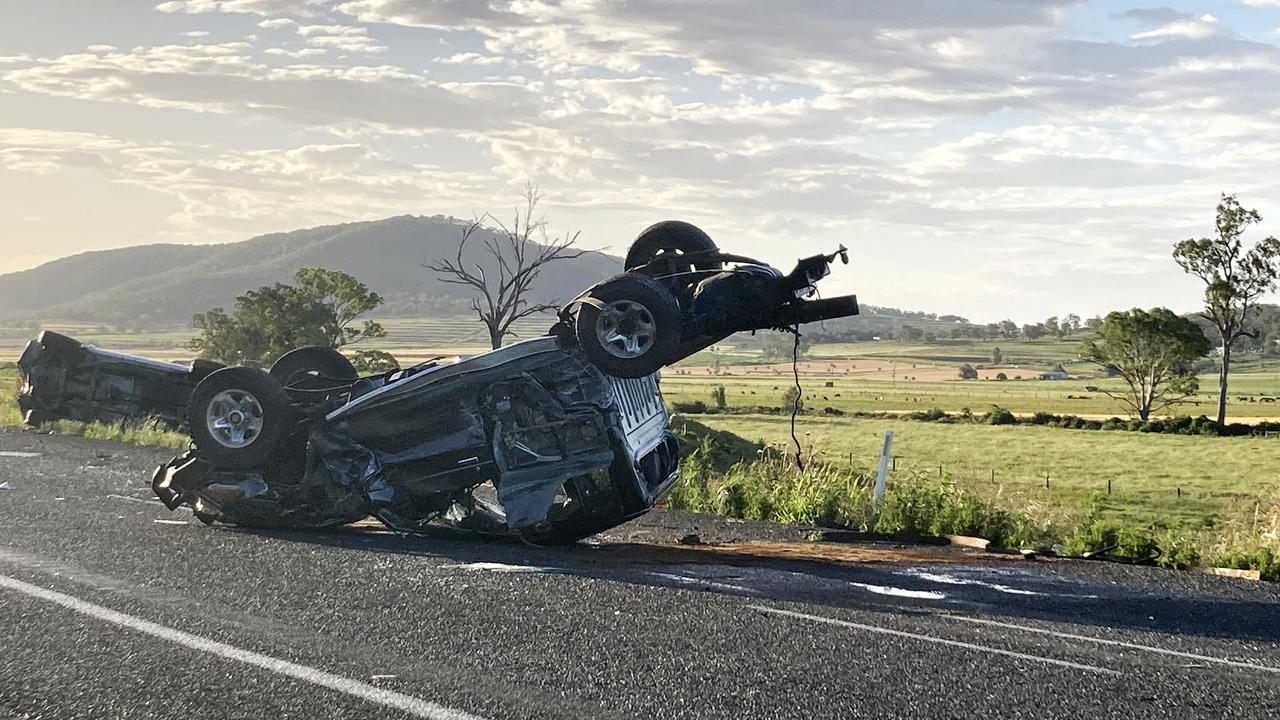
x=1218 y=477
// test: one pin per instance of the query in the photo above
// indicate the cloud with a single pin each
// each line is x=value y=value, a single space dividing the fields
x=341 y=37
x=251 y=7
x=223 y=78
x=276 y=23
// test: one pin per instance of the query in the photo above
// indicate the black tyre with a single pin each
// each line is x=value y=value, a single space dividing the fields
x=59 y=345
x=669 y=240
x=634 y=331
x=319 y=361
x=236 y=416
x=201 y=369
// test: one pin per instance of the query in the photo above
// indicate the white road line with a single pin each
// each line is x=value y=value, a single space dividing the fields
x=412 y=705
x=930 y=638
x=16 y=454
x=1118 y=643
x=701 y=583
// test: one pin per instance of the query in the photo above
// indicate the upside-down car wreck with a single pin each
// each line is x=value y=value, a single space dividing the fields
x=551 y=439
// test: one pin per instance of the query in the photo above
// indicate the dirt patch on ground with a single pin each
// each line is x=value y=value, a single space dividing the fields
x=755 y=551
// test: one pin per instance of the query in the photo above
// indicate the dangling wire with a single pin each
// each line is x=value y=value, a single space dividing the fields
x=795 y=406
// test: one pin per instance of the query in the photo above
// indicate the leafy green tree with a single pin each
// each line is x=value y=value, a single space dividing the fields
x=1093 y=323
x=780 y=346
x=910 y=333
x=718 y=397
x=997 y=355
x=967 y=372
x=368 y=362
x=1033 y=332
x=1071 y=323
x=1234 y=278
x=1008 y=329
x=1051 y=326
x=1154 y=352
x=320 y=309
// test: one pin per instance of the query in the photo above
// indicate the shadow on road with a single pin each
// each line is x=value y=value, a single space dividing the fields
x=877 y=578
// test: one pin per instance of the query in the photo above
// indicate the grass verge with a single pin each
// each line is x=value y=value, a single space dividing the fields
x=757 y=481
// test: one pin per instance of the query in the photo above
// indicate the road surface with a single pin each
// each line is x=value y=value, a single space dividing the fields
x=111 y=606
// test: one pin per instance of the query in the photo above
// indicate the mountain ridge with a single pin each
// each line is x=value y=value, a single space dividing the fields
x=163 y=284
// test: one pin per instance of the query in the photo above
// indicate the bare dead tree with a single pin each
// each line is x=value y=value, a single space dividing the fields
x=518 y=252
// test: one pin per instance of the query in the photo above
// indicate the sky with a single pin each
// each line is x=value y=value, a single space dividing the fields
x=990 y=158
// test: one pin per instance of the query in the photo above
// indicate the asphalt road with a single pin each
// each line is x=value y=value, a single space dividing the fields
x=111 y=606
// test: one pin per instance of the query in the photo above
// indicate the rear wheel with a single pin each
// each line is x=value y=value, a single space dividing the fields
x=669 y=241
x=236 y=416
x=635 y=328
x=316 y=361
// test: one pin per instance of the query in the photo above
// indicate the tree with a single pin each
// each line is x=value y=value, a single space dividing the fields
x=1093 y=323
x=1033 y=332
x=343 y=299
x=997 y=355
x=1154 y=353
x=1234 y=279
x=718 y=397
x=1008 y=329
x=781 y=346
x=321 y=309
x=967 y=372
x=517 y=255
x=1051 y=326
x=911 y=333
x=1071 y=323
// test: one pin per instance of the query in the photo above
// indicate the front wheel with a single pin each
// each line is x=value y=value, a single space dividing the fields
x=629 y=326
x=236 y=415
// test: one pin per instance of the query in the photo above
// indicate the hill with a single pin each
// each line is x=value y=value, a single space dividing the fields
x=157 y=285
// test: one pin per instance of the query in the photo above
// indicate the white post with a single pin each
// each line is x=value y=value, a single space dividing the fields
x=883 y=473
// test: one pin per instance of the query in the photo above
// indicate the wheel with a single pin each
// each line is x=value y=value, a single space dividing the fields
x=60 y=345
x=201 y=369
x=235 y=417
x=318 y=360
x=670 y=239
x=635 y=330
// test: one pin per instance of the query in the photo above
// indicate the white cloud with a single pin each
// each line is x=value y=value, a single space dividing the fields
x=196 y=34
x=341 y=37
x=223 y=79
x=276 y=23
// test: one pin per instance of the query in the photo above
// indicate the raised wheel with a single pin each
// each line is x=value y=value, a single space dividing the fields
x=236 y=415
x=669 y=241
x=633 y=330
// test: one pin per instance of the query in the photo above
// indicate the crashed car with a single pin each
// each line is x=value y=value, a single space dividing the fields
x=64 y=379
x=530 y=440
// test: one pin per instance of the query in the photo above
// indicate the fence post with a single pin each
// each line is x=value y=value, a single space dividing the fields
x=1046 y=480
x=883 y=472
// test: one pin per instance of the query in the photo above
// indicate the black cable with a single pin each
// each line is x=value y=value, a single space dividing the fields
x=795 y=406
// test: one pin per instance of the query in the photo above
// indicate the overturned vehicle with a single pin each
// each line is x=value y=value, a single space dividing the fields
x=551 y=439
x=63 y=379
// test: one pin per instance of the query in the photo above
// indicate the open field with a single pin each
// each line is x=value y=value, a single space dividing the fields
x=410 y=340
x=852 y=393
x=1218 y=477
